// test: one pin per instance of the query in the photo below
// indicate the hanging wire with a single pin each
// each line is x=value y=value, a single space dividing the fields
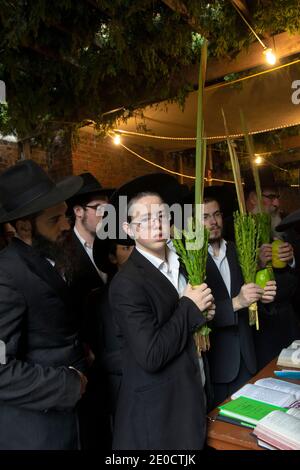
x=167 y=169
x=249 y=25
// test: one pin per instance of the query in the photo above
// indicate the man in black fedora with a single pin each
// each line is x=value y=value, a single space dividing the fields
x=277 y=328
x=86 y=207
x=42 y=377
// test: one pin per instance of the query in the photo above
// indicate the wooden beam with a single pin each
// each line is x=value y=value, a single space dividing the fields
x=179 y=7
x=242 y=6
x=285 y=45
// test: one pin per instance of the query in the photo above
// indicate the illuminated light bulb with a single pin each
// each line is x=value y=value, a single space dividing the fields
x=117 y=139
x=258 y=160
x=270 y=56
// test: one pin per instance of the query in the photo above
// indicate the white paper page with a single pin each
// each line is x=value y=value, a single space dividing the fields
x=274 y=397
x=294 y=412
x=289 y=357
x=281 y=385
x=282 y=424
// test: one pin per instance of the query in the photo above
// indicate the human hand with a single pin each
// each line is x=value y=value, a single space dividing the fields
x=269 y=292
x=286 y=252
x=211 y=312
x=265 y=254
x=248 y=294
x=200 y=295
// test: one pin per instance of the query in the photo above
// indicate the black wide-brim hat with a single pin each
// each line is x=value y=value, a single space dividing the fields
x=289 y=221
x=266 y=177
x=163 y=184
x=26 y=189
x=92 y=185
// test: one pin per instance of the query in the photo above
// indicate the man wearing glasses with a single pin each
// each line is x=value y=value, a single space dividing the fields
x=279 y=328
x=87 y=206
x=161 y=402
x=232 y=358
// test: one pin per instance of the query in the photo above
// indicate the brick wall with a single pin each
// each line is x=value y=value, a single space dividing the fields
x=8 y=154
x=112 y=165
x=56 y=160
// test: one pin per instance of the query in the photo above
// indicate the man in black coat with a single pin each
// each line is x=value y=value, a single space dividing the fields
x=161 y=402
x=87 y=278
x=41 y=377
x=232 y=358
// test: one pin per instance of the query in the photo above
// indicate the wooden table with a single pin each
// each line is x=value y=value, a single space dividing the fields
x=225 y=436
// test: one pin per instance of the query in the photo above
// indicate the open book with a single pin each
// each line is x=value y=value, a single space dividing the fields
x=290 y=356
x=280 y=430
x=273 y=391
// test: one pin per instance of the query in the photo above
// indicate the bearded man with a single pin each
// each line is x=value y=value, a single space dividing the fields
x=42 y=374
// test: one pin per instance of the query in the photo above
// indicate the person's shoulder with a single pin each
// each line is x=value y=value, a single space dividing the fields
x=230 y=244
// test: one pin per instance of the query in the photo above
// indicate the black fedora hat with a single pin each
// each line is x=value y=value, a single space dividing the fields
x=25 y=189
x=92 y=185
x=165 y=185
x=266 y=177
x=289 y=221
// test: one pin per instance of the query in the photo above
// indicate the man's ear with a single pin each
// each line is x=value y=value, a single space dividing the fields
x=127 y=229
x=78 y=211
x=253 y=198
x=24 y=230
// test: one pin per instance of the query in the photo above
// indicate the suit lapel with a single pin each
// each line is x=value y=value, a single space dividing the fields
x=151 y=270
x=235 y=271
x=84 y=262
x=41 y=267
x=215 y=280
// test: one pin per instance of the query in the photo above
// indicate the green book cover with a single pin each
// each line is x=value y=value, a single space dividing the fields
x=247 y=409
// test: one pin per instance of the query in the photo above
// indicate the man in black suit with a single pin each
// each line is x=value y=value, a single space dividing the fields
x=87 y=279
x=41 y=379
x=232 y=359
x=278 y=325
x=87 y=207
x=161 y=402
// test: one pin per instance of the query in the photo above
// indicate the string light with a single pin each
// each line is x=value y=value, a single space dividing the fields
x=270 y=56
x=117 y=139
x=258 y=160
x=167 y=169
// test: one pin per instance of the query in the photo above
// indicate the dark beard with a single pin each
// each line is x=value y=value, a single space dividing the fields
x=60 y=251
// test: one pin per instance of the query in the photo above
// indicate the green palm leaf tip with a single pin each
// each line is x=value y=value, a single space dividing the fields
x=194 y=259
x=264 y=223
x=247 y=238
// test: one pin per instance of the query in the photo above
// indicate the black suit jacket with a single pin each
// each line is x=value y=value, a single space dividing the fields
x=38 y=391
x=85 y=279
x=278 y=325
x=161 y=400
x=231 y=334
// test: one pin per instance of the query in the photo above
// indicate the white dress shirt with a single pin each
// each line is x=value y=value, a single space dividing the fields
x=170 y=269
x=89 y=250
x=222 y=263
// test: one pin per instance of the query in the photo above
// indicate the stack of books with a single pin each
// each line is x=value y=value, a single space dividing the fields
x=279 y=430
x=270 y=407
